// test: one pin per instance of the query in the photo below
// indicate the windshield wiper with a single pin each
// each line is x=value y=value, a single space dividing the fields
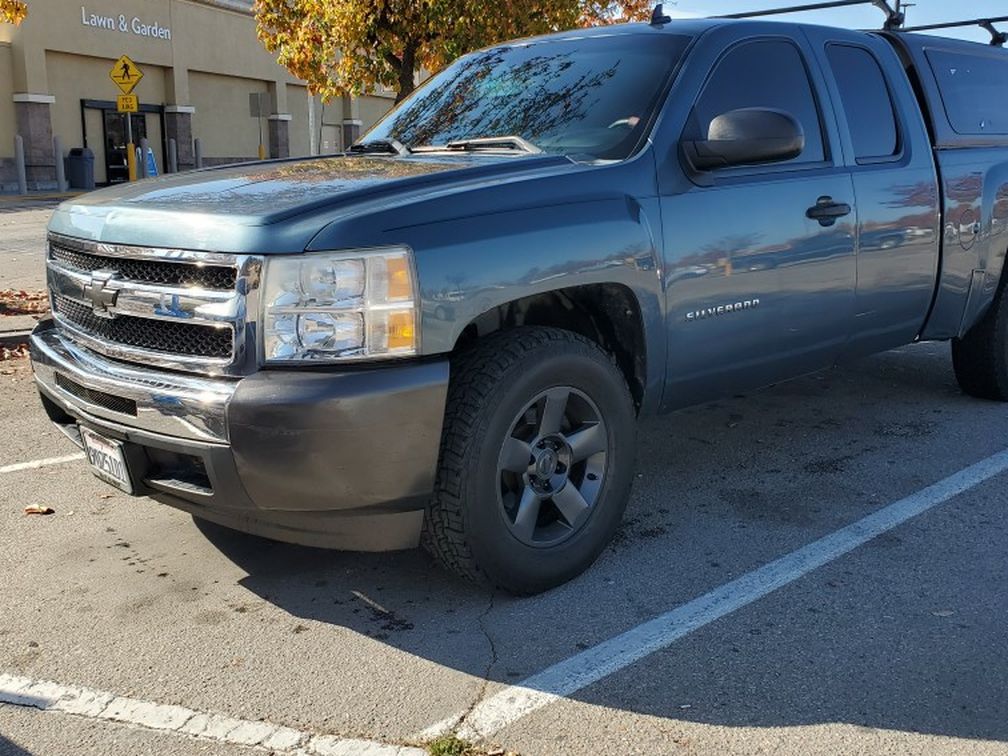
x=485 y=143
x=380 y=146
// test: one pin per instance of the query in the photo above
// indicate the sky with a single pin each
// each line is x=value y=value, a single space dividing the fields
x=866 y=17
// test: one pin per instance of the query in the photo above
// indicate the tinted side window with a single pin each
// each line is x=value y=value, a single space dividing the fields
x=973 y=90
x=766 y=74
x=866 y=101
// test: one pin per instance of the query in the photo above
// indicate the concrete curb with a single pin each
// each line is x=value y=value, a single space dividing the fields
x=11 y=339
x=8 y=198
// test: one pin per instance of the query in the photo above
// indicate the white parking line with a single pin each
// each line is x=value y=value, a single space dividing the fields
x=590 y=666
x=98 y=704
x=37 y=463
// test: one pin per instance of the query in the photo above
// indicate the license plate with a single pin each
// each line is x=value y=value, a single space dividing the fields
x=107 y=459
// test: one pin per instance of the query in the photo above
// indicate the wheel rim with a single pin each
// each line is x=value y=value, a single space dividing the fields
x=552 y=466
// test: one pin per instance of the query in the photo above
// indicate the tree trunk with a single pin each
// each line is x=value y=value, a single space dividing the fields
x=407 y=72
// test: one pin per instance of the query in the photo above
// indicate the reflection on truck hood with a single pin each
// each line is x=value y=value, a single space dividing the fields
x=219 y=208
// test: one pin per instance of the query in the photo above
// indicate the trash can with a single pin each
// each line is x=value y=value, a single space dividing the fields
x=80 y=168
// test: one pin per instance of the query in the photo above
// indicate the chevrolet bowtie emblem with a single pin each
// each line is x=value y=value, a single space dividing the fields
x=100 y=294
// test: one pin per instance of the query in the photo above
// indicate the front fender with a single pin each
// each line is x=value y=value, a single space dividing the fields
x=470 y=266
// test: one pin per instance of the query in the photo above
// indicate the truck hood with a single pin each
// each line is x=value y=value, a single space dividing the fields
x=271 y=206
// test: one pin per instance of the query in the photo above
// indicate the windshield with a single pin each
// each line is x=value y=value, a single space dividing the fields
x=594 y=96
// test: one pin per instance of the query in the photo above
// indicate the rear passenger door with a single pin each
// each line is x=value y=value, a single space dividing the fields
x=757 y=289
x=895 y=184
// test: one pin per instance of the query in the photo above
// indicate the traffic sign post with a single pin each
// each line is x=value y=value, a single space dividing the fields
x=125 y=74
x=259 y=109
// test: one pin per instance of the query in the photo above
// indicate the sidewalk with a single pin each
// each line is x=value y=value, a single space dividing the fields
x=23 y=221
x=34 y=200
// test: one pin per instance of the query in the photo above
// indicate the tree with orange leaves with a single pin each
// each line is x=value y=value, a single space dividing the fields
x=12 y=11
x=601 y=12
x=353 y=46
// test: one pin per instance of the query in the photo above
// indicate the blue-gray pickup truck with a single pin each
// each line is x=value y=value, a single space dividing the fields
x=446 y=335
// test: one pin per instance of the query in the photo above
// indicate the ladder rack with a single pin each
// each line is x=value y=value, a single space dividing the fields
x=894 y=15
x=998 y=38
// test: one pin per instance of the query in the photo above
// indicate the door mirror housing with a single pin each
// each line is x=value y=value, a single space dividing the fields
x=747 y=136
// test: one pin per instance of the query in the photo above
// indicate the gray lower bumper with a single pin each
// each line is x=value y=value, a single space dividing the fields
x=335 y=459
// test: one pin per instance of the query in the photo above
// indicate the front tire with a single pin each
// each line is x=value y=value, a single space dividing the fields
x=980 y=358
x=536 y=460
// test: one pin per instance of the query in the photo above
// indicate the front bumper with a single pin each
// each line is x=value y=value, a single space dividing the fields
x=322 y=458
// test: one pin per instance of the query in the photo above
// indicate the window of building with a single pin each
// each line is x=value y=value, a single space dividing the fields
x=762 y=74
x=866 y=101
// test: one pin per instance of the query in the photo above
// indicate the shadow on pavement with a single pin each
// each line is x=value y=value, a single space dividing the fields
x=810 y=664
x=9 y=748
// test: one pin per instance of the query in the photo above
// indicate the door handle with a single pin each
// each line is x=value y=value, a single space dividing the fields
x=826 y=211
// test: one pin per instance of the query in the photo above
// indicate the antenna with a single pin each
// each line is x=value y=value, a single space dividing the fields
x=658 y=18
x=998 y=38
x=894 y=16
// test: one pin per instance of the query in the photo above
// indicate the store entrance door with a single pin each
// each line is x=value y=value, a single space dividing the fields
x=117 y=136
x=106 y=133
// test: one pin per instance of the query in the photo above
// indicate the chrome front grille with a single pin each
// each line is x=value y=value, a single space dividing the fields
x=164 y=336
x=176 y=309
x=217 y=277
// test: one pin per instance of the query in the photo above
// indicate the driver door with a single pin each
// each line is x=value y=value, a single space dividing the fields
x=757 y=287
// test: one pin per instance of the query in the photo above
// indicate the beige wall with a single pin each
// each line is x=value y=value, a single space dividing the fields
x=7 y=127
x=222 y=122
x=297 y=106
x=210 y=62
x=75 y=77
x=329 y=119
x=373 y=109
x=203 y=38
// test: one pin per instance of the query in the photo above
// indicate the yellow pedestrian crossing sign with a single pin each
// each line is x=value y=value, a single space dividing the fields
x=126 y=75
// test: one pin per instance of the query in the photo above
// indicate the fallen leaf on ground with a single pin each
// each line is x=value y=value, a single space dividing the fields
x=39 y=510
x=19 y=302
x=18 y=352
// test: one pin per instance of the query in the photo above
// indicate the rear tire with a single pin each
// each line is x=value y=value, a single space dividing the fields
x=536 y=460
x=980 y=358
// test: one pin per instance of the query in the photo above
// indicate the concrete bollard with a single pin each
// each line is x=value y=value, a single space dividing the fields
x=142 y=166
x=198 y=152
x=19 y=162
x=172 y=156
x=61 y=182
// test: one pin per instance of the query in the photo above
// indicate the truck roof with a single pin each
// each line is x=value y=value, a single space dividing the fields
x=960 y=84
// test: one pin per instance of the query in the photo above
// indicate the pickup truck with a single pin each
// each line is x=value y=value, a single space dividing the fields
x=446 y=334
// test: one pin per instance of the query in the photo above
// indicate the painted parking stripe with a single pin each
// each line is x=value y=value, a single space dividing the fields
x=594 y=664
x=98 y=704
x=37 y=463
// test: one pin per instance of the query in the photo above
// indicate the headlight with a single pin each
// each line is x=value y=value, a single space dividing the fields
x=337 y=306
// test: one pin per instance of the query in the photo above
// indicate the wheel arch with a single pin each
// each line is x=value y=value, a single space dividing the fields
x=608 y=314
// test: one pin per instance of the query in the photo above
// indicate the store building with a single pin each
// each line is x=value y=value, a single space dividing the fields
x=201 y=62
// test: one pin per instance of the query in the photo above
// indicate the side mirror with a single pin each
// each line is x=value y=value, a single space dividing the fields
x=745 y=137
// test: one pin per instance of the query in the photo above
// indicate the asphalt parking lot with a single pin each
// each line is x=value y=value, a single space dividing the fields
x=889 y=644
